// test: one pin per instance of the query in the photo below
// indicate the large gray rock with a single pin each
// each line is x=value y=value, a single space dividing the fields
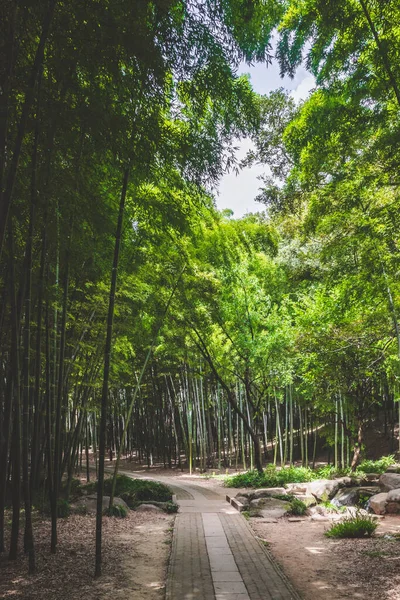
x=307 y=499
x=346 y=497
x=393 y=502
x=345 y=482
x=393 y=508
x=323 y=489
x=393 y=468
x=149 y=508
x=372 y=476
x=378 y=503
x=268 y=492
x=90 y=503
x=351 y=496
x=272 y=508
x=297 y=488
x=394 y=495
x=389 y=481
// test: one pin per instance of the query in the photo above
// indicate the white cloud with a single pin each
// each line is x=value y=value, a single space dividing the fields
x=303 y=89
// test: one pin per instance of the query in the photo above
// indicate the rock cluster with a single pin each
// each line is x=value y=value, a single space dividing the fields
x=381 y=493
x=388 y=500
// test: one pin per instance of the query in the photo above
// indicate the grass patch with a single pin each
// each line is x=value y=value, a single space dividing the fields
x=358 y=526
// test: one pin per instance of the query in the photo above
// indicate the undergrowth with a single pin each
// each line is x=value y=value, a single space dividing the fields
x=115 y=510
x=359 y=526
x=297 y=507
x=135 y=489
x=274 y=477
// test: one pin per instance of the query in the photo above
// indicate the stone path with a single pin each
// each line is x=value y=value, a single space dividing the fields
x=215 y=555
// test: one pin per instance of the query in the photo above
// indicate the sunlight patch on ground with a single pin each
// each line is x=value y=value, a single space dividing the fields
x=315 y=550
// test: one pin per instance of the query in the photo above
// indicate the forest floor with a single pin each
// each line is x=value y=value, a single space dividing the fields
x=320 y=568
x=135 y=557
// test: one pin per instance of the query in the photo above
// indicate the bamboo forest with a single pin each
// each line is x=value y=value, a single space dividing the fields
x=159 y=346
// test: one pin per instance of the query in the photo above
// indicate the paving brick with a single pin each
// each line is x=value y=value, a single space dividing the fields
x=215 y=555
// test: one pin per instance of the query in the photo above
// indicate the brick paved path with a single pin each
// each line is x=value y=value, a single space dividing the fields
x=215 y=555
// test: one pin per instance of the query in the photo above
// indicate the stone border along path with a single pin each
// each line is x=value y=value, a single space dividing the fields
x=215 y=555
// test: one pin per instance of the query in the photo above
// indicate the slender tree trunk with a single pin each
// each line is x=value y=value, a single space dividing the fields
x=16 y=438
x=106 y=375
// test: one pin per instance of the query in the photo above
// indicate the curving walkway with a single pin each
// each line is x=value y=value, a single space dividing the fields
x=215 y=555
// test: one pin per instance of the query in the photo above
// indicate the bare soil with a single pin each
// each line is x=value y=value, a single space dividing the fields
x=322 y=568
x=135 y=557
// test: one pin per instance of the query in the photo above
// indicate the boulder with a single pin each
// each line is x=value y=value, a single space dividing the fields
x=271 y=508
x=378 y=503
x=372 y=476
x=307 y=499
x=351 y=496
x=297 y=488
x=268 y=492
x=393 y=495
x=323 y=489
x=90 y=502
x=393 y=468
x=389 y=481
x=149 y=508
x=346 y=497
x=345 y=482
x=393 y=508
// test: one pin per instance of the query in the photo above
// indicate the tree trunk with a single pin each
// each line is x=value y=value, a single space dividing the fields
x=106 y=375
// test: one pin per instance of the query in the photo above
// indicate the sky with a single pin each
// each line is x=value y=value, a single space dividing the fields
x=237 y=192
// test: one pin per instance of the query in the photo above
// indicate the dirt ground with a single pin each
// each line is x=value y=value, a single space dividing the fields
x=321 y=568
x=135 y=557
x=136 y=551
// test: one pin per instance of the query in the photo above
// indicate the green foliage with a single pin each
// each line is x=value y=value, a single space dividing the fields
x=297 y=507
x=116 y=510
x=353 y=527
x=376 y=466
x=271 y=477
x=142 y=488
x=130 y=498
x=171 y=508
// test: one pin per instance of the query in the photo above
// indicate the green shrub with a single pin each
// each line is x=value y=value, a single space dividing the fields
x=130 y=498
x=329 y=472
x=171 y=508
x=358 y=526
x=271 y=477
x=376 y=466
x=115 y=510
x=297 y=507
x=143 y=489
